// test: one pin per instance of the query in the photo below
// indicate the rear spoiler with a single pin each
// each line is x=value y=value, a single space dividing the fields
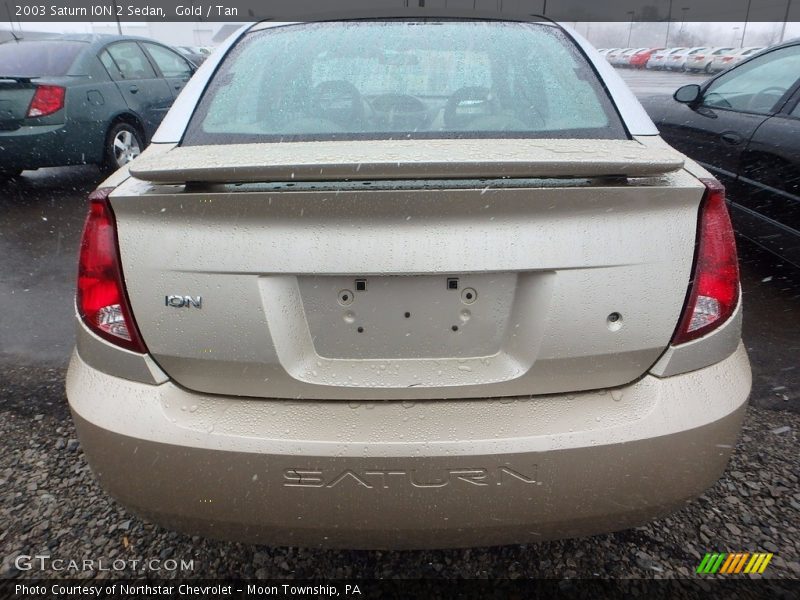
x=17 y=79
x=405 y=159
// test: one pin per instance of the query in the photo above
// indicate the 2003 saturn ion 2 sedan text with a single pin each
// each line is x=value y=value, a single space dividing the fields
x=407 y=283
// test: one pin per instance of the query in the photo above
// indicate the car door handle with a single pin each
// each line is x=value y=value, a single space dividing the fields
x=134 y=89
x=732 y=138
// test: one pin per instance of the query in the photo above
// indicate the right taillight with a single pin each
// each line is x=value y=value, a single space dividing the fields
x=714 y=291
x=101 y=299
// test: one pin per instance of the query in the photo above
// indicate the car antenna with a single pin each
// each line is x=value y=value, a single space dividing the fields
x=11 y=23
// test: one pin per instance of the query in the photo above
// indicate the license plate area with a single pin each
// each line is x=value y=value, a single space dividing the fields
x=408 y=316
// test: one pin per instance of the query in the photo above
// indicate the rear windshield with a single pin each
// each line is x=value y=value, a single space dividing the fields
x=38 y=59
x=403 y=79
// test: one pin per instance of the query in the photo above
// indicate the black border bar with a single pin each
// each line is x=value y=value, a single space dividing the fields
x=676 y=11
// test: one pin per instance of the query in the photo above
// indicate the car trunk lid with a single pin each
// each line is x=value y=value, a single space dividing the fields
x=407 y=288
x=15 y=98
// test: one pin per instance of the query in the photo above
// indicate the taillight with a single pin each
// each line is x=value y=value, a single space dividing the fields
x=102 y=302
x=714 y=290
x=46 y=100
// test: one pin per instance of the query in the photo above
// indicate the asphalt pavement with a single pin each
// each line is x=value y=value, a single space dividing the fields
x=51 y=502
x=41 y=219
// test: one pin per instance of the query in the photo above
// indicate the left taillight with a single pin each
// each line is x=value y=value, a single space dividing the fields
x=47 y=99
x=101 y=298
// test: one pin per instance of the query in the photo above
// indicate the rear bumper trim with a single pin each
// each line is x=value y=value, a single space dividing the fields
x=389 y=483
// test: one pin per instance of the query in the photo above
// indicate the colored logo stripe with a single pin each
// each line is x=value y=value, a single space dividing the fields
x=758 y=563
x=729 y=562
x=740 y=565
x=711 y=563
x=732 y=563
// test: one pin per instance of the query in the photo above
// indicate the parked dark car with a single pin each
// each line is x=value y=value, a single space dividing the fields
x=744 y=126
x=193 y=54
x=83 y=99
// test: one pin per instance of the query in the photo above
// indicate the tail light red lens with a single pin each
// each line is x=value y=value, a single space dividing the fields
x=102 y=302
x=714 y=290
x=47 y=99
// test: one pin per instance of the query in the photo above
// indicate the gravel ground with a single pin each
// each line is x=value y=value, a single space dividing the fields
x=52 y=505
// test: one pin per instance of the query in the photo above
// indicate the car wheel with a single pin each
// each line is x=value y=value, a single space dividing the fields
x=708 y=68
x=124 y=142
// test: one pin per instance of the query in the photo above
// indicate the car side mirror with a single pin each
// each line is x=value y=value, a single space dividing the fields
x=688 y=94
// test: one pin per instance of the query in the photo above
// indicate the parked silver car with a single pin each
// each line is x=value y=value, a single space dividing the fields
x=701 y=61
x=725 y=61
x=612 y=54
x=407 y=283
x=678 y=60
x=623 y=58
x=658 y=60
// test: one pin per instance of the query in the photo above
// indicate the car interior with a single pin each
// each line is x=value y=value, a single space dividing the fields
x=388 y=88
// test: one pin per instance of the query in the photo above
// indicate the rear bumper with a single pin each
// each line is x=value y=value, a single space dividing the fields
x=409 y=475
x=32 y=147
